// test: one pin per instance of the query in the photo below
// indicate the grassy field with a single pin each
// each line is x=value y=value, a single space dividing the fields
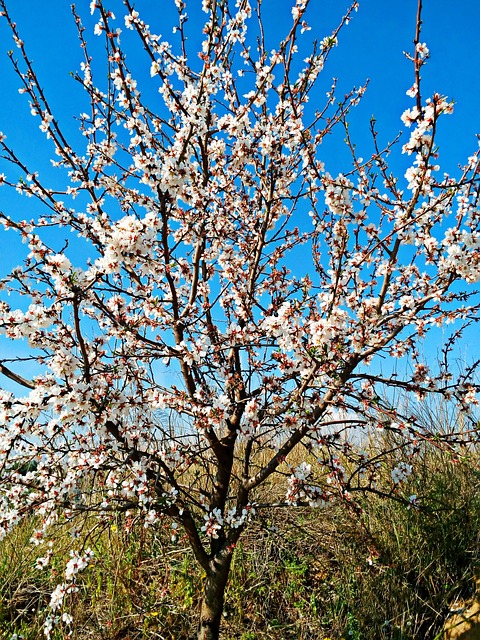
x=387 y=572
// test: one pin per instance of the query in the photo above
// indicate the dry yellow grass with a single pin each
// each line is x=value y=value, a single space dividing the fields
x=464 y=623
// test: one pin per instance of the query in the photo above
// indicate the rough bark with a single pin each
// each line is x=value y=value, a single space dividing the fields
x=213 y=597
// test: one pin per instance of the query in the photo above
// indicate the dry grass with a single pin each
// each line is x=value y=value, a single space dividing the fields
x=386 y=573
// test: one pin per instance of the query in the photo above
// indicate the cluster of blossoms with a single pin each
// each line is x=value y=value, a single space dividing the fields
x=77 y=563
x=325 y=331
x=283 y=325
x=15 y=324
x=235 y=520
x=136 y=485
x=338 y=195
x=299 y=490
x=128 y=242
x=424 y=120
x=213 y=523
x=401 y=472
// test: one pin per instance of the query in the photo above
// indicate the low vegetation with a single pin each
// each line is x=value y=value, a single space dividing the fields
x=378 y=570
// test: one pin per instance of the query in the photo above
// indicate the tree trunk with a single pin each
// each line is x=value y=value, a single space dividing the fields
x=213 y=596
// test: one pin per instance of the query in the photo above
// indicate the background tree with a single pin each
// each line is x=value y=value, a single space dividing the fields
x=225 y=300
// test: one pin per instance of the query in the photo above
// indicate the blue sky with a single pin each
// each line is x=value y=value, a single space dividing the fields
x=371 y=46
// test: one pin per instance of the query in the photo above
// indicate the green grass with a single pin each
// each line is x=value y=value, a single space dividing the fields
x=387 y=572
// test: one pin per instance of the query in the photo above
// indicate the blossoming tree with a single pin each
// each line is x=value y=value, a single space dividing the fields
x=237 y=298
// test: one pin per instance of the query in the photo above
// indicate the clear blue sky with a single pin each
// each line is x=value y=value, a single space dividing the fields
x=370 y=47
